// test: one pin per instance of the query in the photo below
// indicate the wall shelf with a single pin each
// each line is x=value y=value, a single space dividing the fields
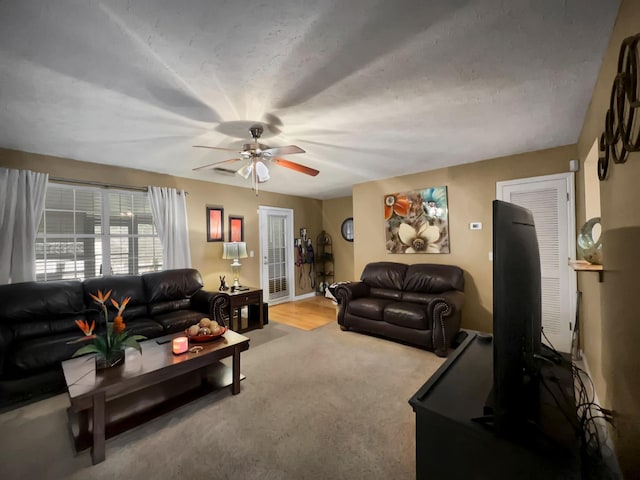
x=584 y=266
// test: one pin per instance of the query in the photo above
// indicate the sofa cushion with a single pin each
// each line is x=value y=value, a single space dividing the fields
x=179 y=320
x=409 y=315
x=47 y=326
x=121 y=286
x=372 y=308
x=144 y=326
x=31 y=308
x=160 y=308
x=385 y=293
x=171 y=284
x=43 y=352
x=419 y=297
x=432 y=278
x=388 y=275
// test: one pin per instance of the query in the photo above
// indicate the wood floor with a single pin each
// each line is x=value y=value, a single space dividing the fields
x=305 y=314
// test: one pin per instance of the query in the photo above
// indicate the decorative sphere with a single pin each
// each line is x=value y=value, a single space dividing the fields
x=204 y=331
x=204 y=323
x=590 y=249
x=193 y=330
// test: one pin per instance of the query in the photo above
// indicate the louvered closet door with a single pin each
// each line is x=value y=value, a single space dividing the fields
x=550 y=199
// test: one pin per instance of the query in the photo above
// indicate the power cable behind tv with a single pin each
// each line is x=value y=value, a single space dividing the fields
x=588 y=412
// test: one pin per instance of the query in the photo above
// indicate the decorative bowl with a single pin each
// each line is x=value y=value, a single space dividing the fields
x=205 y=338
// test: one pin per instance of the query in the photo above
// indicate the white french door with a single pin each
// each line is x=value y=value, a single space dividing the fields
x=551 y=200
x=276 y=254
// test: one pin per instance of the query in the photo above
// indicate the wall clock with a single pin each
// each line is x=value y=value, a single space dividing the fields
x=347 y=229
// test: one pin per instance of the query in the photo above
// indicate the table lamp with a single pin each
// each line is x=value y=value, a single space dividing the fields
x=235 y=250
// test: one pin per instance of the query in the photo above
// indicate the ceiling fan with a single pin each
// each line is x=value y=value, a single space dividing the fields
x=257 y=154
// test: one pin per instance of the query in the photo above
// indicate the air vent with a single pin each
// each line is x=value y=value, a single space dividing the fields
x=224 y=171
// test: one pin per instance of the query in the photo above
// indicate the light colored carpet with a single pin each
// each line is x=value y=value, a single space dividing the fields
x=323 y=404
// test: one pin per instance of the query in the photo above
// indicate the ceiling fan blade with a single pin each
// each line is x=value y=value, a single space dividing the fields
x=213 y=165
x=217 y=148
x=286 y=150
x=295 y=166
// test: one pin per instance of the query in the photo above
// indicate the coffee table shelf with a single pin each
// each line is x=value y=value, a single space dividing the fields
x=106 y=403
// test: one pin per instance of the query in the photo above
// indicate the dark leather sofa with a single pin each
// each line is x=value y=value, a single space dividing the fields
x=37 y=319
x=418 y=304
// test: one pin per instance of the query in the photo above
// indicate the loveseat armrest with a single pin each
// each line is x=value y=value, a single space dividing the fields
x=214 y=304
x=349 y=291
x=445 y=313
x=346 y=292
x=6 y=337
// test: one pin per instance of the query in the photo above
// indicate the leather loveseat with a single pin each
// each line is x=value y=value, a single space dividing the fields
x=419 y=304
x=37 y=319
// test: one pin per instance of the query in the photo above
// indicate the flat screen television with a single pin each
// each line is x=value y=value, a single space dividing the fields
x=517 y=324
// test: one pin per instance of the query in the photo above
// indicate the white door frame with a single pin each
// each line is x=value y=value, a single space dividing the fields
x=263 y=211
x=569 y=178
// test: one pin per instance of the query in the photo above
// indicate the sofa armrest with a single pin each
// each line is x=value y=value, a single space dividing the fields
x=445 y=312
x=214 y=304
x=6 y=337
x=346 y=292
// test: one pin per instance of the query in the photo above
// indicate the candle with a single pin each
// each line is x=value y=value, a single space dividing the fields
x=180 y=345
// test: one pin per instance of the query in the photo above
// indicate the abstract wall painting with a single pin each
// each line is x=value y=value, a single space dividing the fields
x=215 y=227
x=417 y=221
x=236 y=228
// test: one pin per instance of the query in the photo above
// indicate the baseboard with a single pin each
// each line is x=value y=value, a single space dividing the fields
x=304 y=296
x=295 y=298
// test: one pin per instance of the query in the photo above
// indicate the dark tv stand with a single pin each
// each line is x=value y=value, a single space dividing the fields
x=450 y=444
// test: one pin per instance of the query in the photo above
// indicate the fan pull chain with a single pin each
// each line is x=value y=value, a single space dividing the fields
x=254 y=177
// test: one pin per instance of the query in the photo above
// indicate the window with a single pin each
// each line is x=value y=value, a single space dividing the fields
x=84 y=229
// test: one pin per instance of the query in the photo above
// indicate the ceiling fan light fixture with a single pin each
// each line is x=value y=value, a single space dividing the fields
x=245 y=171
x=256 y=155
x=262 y=172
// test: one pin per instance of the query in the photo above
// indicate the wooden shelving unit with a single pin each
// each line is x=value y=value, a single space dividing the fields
x=324 y=261
x=584 y=266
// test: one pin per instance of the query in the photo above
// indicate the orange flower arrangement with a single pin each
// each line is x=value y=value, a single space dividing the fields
x=109 y=346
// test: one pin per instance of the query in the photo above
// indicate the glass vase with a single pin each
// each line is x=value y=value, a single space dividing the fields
x=114 y=359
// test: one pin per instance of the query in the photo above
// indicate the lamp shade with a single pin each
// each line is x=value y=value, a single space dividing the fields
x=233 y=250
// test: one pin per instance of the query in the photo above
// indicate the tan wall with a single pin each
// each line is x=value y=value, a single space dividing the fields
x=205 y=256
x=334 y=212
x=612 y=332
x=471 y=189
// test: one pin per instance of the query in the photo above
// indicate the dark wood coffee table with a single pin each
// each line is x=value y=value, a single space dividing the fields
x=108 y=402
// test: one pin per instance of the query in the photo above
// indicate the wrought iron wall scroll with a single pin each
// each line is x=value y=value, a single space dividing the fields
x=621 y=133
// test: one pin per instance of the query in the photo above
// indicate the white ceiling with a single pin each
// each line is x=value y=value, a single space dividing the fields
x=370 y=89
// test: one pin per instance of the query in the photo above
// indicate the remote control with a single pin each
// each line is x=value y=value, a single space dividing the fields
x=163 y=340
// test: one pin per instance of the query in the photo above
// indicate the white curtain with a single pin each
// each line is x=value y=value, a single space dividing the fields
x=169 y=210
x=22 y=195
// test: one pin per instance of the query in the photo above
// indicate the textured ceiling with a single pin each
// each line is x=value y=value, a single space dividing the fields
x=370 y=89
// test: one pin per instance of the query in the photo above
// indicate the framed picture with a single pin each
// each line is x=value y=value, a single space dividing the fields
x=417 y=221
x=215 y=227
x=236 y=228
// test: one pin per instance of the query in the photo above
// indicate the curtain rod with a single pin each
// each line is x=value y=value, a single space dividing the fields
x=100 y=184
